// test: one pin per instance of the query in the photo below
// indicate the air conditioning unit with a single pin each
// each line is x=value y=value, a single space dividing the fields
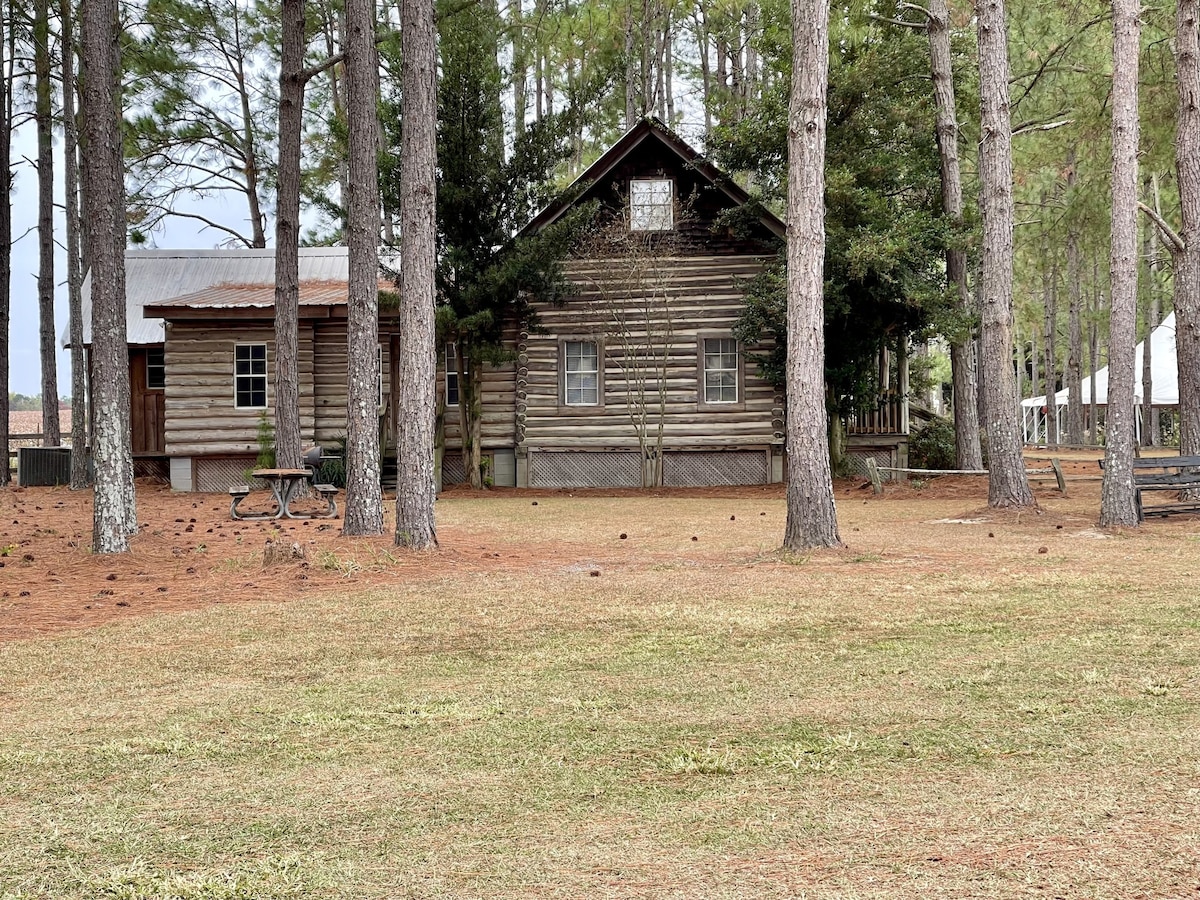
x=43 y=466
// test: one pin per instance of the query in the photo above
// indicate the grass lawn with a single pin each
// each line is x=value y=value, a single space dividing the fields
x=993 y=708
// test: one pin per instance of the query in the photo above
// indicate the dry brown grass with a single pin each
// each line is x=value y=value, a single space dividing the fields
x=940 y=710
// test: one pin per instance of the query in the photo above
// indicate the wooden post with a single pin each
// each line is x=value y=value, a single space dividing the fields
x=1058 y=474
x=873 y=474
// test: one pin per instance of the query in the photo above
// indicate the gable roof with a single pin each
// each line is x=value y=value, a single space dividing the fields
x=155 y=276
x=647 y=129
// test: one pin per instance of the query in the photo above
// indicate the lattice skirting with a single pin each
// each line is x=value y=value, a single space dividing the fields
x=856 y=460
x=453 y=470
x=585 y=468
x=219 y=474
x=713 y=468
x=156 y=469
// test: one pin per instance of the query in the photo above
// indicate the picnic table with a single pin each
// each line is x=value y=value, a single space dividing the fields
x=286 y=485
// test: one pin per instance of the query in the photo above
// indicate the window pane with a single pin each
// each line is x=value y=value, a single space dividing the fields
x=651 y=206
x=451 y=376
x=156 y=372
x=581 y=373
x=720 y=360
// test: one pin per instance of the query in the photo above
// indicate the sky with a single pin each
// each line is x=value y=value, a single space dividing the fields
x=24 y=368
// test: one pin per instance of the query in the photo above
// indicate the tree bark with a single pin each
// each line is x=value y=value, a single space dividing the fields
x=415 y=488
x=1094 y=355
x=519 y=66
x=967 y=452
x=1148 y=303
x=1151 y=417
x=287 y=237
x=79 y=459
x=1117 y=493
x=1050 y=341
x=632 y=79
x=6 y=57
x=1007 y=483
x=1187 y=261
x=114 y=513
x=811 y=515
x=44 y=121
x=364 y=495
x=1075 y=324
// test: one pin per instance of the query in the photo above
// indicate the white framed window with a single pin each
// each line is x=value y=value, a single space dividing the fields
x=156 y=368
x=651 y=204
x=719 y=366
x=451 y=374
x=250 y=376
x=581 y=373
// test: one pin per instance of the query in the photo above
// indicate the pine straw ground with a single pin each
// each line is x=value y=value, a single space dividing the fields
x=960 y=704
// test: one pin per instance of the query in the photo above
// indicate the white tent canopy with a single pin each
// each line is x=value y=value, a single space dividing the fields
x=1164 y=377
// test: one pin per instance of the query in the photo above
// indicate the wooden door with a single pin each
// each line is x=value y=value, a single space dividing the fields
x=147 y=398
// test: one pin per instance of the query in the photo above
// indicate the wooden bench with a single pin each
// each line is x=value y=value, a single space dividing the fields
x=237 y=494
x=1165 y=473
x=327 y=492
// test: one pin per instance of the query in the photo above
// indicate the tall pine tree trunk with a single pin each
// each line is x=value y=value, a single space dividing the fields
x=962 y=347
x=1146 y=287
x=1117 y=495
x=287 y=237
x=1050 y=341
x=1074 y=324
x=114 y=512
x=44 y=120
x=79 y=462
x=415 y=488
x=811 y=516
x=1094 y=355
x=364 y=496
x=6 y=57
x=1007 y=484
x=1187 y=260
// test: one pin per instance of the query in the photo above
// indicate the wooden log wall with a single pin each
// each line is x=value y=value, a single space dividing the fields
x=329 y=380
x=497 y=430
x=687 y=297
x=201 y=418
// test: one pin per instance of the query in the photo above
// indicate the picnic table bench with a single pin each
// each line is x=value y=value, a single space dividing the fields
x=286 y=486
x=1165 y=473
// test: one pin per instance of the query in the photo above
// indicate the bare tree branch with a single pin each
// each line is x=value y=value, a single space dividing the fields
x=1171 y=238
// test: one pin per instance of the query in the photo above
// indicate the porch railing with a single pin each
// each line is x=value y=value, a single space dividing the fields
x=890 y=416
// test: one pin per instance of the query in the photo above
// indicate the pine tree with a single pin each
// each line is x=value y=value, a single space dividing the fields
x=1007 y=484
x=1117 y=494
x=364 y=498
x=811 y=516
x=114 y=517
x=415 y=489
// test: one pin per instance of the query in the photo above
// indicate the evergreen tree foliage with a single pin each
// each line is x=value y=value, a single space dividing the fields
x=486 y=192
x=884 y=263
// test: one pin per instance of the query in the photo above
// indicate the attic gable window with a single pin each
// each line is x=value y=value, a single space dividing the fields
x=651 y=204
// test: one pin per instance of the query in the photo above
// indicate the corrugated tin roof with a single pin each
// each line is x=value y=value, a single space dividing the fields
x=258 y=296
x=155 y=276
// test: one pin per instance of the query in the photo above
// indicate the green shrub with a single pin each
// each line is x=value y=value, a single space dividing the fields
x=333 y=469
x=932 y=447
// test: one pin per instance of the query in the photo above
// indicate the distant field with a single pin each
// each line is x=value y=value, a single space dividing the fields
x=30 y=422
x=589 y=696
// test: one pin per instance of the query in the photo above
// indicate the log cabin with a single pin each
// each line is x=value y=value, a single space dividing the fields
x=637 y=379
x=202 y=353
